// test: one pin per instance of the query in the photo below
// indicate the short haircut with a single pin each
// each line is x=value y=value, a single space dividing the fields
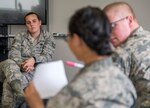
x=30 y=13
x=118 y=4
x=93 y=27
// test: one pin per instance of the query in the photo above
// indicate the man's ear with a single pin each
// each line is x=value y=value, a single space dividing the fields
x=130 y=19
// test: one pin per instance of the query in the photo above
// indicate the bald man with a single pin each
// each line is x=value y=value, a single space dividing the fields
x=132 y=43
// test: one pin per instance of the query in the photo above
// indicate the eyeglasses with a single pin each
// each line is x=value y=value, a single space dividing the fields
x=62 y=36
x=66 y=37
x=113 y=24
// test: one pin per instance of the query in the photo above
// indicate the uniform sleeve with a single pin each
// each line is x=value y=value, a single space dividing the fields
x=64 y=100
x=89 y=93
x=141 y=79
x=48 y=50
x=123 y=60
x=15 y=51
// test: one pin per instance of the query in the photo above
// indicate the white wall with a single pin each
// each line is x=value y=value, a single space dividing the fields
x=60 y=12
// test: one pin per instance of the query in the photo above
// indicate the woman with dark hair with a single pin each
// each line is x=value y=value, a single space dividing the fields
x=100 y=84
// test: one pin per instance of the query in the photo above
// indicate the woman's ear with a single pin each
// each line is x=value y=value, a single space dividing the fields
x=40 y=22
x=77 y=40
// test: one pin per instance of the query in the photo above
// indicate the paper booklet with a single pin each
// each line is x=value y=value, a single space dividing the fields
x=50 y=78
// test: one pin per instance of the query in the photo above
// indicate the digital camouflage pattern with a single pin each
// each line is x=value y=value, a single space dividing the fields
x=134 y=59
x=23 y=48
x=99 y=84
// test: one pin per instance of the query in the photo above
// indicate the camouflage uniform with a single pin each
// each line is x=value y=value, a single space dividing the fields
x=98 y=85
x=23 y=48
x=135 y=61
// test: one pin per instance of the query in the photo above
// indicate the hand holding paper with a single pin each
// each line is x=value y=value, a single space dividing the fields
x=50 y=78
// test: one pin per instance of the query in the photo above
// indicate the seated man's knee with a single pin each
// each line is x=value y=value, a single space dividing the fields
x=10 y=63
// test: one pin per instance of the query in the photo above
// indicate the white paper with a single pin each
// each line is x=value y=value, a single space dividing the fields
x=50 y=78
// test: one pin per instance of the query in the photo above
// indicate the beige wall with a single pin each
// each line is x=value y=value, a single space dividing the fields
x=61 y=10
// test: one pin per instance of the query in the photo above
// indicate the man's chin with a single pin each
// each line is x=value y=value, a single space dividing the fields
x=115 y=44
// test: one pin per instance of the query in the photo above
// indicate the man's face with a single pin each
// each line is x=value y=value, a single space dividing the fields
x=120 y=28
x=33 y=23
